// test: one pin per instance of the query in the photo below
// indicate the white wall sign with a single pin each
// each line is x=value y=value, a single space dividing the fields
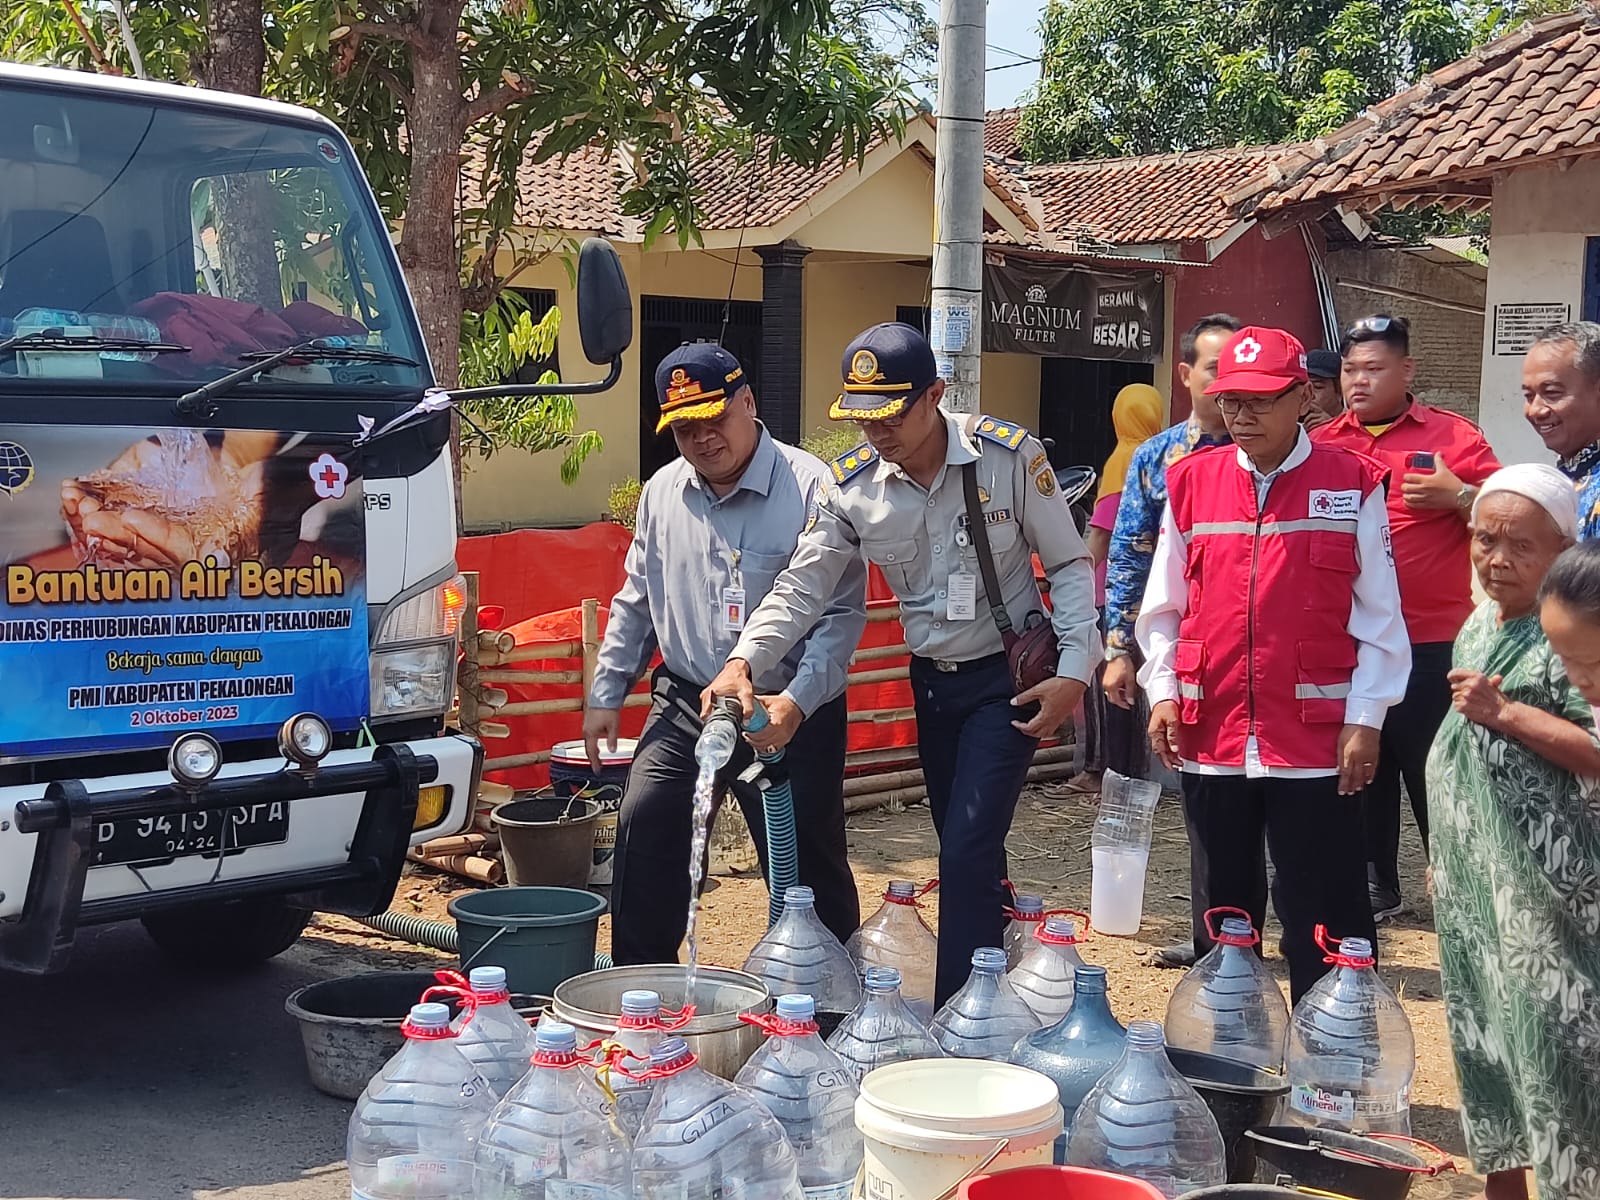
x=1516 y=325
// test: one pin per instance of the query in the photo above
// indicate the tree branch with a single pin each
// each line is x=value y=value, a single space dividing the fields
x=390 y=80
x=395 y=30
x=94 y=47
x=486 y=104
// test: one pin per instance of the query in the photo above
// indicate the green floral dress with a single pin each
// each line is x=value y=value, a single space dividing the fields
x=1516 y=857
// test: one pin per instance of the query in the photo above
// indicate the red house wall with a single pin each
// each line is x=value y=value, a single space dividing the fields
x=1259 y=281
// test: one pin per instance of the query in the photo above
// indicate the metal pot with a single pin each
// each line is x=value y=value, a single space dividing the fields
x=350 y=1026
x=719 y=1039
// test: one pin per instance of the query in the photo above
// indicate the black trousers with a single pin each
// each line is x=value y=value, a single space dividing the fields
x=1321 y=875
x=650 y=884
x=1408 y=733
x=975 y=764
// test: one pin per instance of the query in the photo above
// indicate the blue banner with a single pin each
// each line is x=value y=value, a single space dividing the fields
x=162 y=582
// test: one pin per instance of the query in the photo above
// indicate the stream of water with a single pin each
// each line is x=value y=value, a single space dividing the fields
x=705 y=797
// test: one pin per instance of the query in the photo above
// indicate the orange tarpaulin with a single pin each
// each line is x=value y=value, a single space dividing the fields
x=541 y=577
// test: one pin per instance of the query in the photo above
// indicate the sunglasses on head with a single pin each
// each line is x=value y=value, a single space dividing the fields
x=1377 y=324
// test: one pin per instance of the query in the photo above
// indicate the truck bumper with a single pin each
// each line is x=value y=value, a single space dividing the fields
x=350 y=825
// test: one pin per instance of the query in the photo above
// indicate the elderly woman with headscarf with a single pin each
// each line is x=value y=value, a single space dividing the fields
x=1516 y=861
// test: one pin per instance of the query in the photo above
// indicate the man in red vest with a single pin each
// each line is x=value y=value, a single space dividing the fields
x=1274 y=645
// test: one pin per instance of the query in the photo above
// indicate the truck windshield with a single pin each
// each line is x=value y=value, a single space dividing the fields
x=212 y=236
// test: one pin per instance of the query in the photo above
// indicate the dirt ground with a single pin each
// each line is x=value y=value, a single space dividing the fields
x=1049 y=854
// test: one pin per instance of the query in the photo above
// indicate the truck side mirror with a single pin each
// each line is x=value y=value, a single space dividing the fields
x=605 y=309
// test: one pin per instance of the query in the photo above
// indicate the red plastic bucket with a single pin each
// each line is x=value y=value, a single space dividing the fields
x=1056 y=1183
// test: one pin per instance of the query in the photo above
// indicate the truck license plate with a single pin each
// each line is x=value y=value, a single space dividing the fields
x=178 y=835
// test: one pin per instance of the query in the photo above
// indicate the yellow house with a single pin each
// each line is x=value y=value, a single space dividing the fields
x=795 y=262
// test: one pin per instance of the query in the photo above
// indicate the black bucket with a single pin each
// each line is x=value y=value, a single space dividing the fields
x=547 y=842
x=1239 y=1096
x=1347 y=1163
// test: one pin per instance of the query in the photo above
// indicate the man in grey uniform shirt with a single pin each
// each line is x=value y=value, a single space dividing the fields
x=713 y=530
x=900 y=499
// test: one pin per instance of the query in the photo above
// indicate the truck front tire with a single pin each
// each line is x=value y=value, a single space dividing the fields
x=234 y=933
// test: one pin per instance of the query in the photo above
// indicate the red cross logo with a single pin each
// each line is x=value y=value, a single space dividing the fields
x=328 y=476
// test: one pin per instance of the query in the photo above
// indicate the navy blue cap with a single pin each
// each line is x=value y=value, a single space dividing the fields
x=693 y=383
x=884 y=369
x=1322 y=364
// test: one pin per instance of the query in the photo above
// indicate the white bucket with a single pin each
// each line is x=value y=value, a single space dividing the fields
x=929 y=1124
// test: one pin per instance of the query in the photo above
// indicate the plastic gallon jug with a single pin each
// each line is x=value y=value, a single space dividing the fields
x=799 y=955
x=553 y=1136
x=1351 y=1054
x=1027 y=916
x=812 y=1093
x=1144 y=1120
x=707 y=1139
x=896 y=936
x=1228 y=1003
x=882 y=1030
x=1044 y=976
x=985 y=1018
x=490 y=1032
x=1078 y=1050
x=415 y=1128
x=1120 y=853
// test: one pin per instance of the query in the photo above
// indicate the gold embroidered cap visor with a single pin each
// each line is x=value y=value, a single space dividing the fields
x=885 y=369
x=695 y=382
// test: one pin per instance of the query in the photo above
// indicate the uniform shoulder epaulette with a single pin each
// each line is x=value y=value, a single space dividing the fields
x=1001 y=433
x=854 y=462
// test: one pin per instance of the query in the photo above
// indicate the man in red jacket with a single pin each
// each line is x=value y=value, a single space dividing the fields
x=1436 y=461
x=1273 y=646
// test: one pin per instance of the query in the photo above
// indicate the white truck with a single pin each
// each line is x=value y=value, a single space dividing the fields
x=228 y=636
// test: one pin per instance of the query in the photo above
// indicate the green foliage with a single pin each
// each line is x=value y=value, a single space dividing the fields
x=1148 y=76
x=831 y=441
x=623 y=502
x=495 y=345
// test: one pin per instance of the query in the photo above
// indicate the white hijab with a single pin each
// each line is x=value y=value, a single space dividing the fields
x=1544 y=485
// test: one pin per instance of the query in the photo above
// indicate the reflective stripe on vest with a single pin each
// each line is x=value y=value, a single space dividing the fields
x=1321 y=691
x=1279 y=528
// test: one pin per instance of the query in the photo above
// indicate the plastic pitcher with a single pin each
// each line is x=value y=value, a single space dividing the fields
x=1120 y=853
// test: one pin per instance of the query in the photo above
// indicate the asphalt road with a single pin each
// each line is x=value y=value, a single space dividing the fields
x=125 y=1078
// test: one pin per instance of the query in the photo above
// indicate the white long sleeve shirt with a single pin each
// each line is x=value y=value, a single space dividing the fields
x=1383 y=648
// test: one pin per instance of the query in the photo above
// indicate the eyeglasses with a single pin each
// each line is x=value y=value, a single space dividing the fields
x=1381 y=323
x=1256 y=406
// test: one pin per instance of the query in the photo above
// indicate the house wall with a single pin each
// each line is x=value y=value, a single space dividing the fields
x=1542 y=217
x=1444 y=305
x=1259 y=281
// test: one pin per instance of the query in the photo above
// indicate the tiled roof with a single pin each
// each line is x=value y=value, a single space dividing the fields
x=1000 y=133
x=582 y=191
x=1532 y=94
x=1133 y=201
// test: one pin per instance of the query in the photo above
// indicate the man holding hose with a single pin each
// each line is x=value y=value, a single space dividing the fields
x=926 y=497
x=712 y=532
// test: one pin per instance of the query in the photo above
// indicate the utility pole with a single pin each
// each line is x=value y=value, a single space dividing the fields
x=955 y=322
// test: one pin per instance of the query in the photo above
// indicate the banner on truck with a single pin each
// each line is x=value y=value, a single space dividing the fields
x=1032 y=307
x=184 y=579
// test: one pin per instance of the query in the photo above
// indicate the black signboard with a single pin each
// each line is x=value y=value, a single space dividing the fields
x=1032 y=307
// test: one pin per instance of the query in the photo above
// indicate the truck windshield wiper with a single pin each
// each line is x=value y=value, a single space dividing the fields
x=54 y=339
x=198 y=402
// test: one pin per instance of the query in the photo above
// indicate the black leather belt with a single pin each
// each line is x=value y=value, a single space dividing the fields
x=950 y=666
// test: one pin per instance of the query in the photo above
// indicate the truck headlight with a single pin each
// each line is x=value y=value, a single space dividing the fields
x=412 y=666
x=413 y=680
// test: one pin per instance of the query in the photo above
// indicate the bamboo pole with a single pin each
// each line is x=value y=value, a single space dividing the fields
x=500 y=676
x=462 y=843
x=493 y=729
x=880 y=675
x=862 y=801
x=881 y=716
x=467 y=672
x=531 y=652
x=638 y=700
x=889 y=612
x=537 y=708
x=912 y=776
x=508 y=761
x=468 y=866
x=874 y=653
x=496 y=641
x=591 y=649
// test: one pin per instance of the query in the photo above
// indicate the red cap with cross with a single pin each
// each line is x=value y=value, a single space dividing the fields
x=1260 y=359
